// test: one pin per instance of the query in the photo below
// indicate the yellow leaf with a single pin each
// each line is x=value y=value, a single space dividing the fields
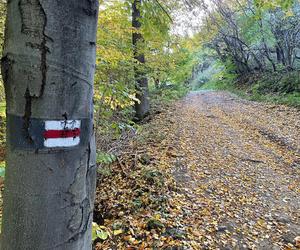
x=118 y=232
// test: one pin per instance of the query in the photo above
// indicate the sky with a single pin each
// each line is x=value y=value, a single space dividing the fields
x=187 y=22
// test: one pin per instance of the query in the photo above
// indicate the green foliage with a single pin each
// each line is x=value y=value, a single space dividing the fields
x=105 y=158
x=2 y=22
x=169 y=92
x=278 y=88
x=2 y=109
x=223 y=78
x=114 y=72
x=256 y=48
x=287 y=99
x=286 y=83
x=274 y=88
x=265 y=4
x=115 y=82
x=104 y=171
x=217 y=85
x=99 y=232
x=169 y=60
x=2 y=169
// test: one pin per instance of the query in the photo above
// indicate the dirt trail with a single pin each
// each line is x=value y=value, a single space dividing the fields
x=212 y=172
x=239 y=164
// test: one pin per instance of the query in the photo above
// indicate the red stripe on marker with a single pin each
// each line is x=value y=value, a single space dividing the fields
x=55 y=134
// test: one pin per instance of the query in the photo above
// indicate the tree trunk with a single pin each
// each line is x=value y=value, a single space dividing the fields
x=141 y=108
x=48 y=68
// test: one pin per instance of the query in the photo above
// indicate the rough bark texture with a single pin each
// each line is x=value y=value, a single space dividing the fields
x=48 y=69
x=142 y=108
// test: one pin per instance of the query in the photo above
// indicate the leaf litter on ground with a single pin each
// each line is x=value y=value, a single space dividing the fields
x=211 y=172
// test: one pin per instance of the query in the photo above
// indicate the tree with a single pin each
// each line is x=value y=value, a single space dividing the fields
x=142 y=107
x=2 y=24
x=115 y=85
x=48 y=70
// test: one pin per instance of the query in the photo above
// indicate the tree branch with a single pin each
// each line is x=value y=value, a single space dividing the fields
x=164 y=10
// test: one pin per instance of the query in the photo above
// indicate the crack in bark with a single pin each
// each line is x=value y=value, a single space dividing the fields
x=44 y=51
x=76 y=179
x=88 y=158
x=85 y=218
x=79 y=234
x=27 y=115
x=34 y=22
x=84 y=206
x=71 y=225
x=69 y=191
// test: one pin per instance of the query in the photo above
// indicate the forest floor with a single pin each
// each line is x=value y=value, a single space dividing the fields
x=212 y=172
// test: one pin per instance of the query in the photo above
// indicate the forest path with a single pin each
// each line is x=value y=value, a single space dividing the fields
x=239 y=166
x=211 y=171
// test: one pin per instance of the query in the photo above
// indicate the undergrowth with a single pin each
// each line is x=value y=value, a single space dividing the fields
x=278 y=87
x=133 y=192
x=167 y=93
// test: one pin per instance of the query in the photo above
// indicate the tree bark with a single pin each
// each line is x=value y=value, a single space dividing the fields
x=141 y=108
x=48 y=68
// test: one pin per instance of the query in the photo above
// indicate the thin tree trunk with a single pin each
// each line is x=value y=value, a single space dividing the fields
x=280 y=55
x=266 y=49
x=141 y=108
x=48 y=69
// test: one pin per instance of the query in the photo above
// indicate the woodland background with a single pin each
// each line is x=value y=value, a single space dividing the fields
x=248 y=47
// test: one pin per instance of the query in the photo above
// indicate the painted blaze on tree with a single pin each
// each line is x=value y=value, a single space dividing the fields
x=48 y=68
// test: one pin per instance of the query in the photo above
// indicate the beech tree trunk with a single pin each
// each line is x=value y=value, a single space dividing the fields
x=141 y=108
x=48 y=68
